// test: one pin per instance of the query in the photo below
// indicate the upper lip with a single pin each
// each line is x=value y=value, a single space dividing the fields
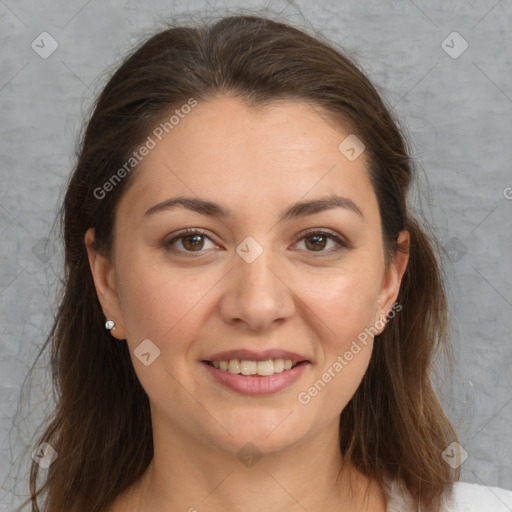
x=251 y=355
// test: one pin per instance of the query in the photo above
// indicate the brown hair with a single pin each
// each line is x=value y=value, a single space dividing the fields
x=394 y=426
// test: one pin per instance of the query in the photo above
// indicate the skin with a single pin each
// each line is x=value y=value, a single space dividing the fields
x=256 y=162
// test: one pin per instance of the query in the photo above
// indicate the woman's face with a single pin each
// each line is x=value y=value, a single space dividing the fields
x=262 y=275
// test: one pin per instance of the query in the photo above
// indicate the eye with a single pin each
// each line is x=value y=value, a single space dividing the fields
x=190 y=240
x=317 y=240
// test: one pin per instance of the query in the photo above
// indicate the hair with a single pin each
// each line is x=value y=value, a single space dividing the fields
x=394 y=426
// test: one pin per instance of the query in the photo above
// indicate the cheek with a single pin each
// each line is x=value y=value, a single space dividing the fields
x=168 y=307
x=157 y=302
x=345 y=305
x=345 y=302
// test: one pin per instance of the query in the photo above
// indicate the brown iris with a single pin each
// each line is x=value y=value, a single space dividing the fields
x=197 y=242
x=316 y=245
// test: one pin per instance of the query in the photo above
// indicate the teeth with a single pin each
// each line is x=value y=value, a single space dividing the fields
x=246 y=367
x=265 y=367
x=278 y=365
x=234 y=366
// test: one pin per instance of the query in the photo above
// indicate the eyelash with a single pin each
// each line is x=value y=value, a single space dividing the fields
x=342 y=244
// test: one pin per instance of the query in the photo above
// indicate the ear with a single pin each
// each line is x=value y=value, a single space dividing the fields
x=104 y=277
x=393 y=277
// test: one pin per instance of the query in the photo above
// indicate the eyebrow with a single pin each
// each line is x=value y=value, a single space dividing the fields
x=300 y=209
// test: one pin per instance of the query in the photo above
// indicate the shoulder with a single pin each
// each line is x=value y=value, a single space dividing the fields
x=478 y=498
x=465 y=497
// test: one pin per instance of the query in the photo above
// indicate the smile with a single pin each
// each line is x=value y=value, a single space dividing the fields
x=247 y=377
x=248 y=367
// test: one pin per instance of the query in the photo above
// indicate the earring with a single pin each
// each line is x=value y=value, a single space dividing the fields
x=110 y=325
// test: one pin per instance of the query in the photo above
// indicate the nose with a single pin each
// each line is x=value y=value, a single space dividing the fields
x=257 y=295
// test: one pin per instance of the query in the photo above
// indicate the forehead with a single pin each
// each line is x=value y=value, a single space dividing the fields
x=226 y=150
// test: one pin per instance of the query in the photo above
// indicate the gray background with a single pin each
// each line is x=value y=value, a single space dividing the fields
x=457 y=112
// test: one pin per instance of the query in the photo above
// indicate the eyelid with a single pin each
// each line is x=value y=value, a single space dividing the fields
x=168 y=243
x=337 y=238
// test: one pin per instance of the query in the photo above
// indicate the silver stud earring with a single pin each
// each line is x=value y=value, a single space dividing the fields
x=110 y=325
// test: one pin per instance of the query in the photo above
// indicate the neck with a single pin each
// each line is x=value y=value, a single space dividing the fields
x=189 y=475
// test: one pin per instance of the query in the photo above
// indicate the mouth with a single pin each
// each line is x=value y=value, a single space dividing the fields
x=255 y=368
x=256 y=374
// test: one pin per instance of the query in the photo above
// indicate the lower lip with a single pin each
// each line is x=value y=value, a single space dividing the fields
x=257 y=385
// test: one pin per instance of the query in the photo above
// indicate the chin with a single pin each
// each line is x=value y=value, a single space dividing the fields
x=263 y=437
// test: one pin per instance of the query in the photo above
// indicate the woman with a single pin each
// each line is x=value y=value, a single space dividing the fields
x=250 y=311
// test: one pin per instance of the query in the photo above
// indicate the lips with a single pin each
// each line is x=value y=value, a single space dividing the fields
x=256 y=373
x=256 y=385
x=250 y=355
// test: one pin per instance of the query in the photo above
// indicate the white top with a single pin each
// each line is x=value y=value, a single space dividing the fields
x=465 y=498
